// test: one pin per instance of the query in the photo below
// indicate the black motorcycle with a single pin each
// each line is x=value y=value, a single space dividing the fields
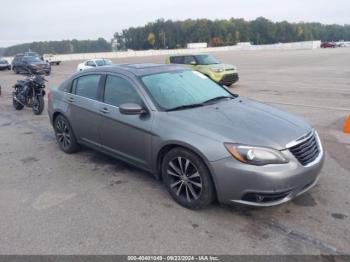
x=30 y=92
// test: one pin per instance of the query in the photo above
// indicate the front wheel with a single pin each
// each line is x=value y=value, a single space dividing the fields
x=187 y=179
x=38 y=105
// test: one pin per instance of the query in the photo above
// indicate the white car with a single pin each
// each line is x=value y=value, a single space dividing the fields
x=93 y=63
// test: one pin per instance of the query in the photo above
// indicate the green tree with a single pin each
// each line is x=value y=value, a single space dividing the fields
x=151 y=39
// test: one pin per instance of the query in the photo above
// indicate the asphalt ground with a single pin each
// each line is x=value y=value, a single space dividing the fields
x=89 y=203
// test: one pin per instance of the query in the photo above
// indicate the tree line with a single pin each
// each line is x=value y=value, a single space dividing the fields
x=176 y=34
x=60 y=47
x=163 y=34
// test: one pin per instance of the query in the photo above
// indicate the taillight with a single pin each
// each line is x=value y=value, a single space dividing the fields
x=49 y=94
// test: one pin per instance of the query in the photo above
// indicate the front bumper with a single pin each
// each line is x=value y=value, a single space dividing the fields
x=229 y=79
x=38 y=70
x=268 y=185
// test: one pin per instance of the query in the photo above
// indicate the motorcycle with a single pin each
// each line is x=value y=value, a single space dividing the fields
x=30 y=92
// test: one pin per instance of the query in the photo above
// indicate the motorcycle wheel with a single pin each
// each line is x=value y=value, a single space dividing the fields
x=38 y=105
x=16 y=105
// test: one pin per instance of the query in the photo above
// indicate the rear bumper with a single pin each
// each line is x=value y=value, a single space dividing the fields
x=5 y=67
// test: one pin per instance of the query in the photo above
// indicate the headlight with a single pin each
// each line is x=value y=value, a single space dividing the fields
x=253 y=155
x=217 y=70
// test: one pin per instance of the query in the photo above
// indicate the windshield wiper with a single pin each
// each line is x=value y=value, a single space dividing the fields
x=184 y=107
x=217 y=99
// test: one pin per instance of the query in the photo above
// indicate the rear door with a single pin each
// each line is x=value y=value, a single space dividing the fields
x=84 y=108
x=126 y=136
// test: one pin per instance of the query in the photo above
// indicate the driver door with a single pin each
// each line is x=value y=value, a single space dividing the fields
x=126 y=136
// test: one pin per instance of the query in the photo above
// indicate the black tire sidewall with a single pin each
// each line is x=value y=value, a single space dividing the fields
x=41 y=102
x=208 y=193
x=15 y=104
x=74 y=147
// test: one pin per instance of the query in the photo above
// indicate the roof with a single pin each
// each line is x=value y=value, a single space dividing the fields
x=142 y=69
x=188 y=54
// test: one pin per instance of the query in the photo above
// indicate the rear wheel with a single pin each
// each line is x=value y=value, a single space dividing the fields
x=38 y=105
x=15 y=70
x=187 y=179
x=65 y=136
x=17 y=105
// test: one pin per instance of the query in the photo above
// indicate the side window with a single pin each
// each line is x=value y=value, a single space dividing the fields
x=86 y=86
x=177 y=60
x=90 y=63
x=119 y=91
x=189 y=59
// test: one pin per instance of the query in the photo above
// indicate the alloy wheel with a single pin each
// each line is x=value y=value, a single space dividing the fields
x=63 y=134
x=185 y=180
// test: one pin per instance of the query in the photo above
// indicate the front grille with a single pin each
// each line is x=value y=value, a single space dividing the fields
x=229 y=79
x=307 y=150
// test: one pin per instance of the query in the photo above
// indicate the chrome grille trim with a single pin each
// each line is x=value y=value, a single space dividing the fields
x=312 y=149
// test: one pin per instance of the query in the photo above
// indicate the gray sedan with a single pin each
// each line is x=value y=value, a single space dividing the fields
x=203 y=142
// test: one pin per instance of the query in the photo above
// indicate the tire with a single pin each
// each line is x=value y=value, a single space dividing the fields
x=65 y=136
x=187 y=179
x=16 y=105
x=15 y=70
x=38 y=105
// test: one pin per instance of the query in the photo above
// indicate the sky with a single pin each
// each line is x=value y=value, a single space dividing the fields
x=24 y=21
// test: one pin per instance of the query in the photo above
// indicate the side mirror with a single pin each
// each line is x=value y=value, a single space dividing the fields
x=131 y=109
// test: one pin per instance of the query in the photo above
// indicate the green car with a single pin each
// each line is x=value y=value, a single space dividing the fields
x=208 y=65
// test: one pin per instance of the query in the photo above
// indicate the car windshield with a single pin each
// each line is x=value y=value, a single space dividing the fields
x=206 y=60
x=182 y=89
x=103 y=62
x=32 y=59
x=2 y=61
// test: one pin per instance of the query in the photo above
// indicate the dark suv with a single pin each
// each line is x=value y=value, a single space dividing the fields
x=24 y=64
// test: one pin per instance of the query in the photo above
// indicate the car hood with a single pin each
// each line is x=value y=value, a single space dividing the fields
x=220 y=66
x=244 y=121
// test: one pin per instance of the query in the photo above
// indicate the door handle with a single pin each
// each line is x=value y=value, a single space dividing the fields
x=70 y=99
x=104 y=110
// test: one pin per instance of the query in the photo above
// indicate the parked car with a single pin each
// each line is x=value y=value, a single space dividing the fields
x=4 y=65
x=52 y=59
x=33 y=64
x=208 y=65
x=328 y=45
x=93 y=63
x=201 y=140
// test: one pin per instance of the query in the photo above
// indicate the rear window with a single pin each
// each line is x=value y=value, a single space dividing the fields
x=86 y=86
